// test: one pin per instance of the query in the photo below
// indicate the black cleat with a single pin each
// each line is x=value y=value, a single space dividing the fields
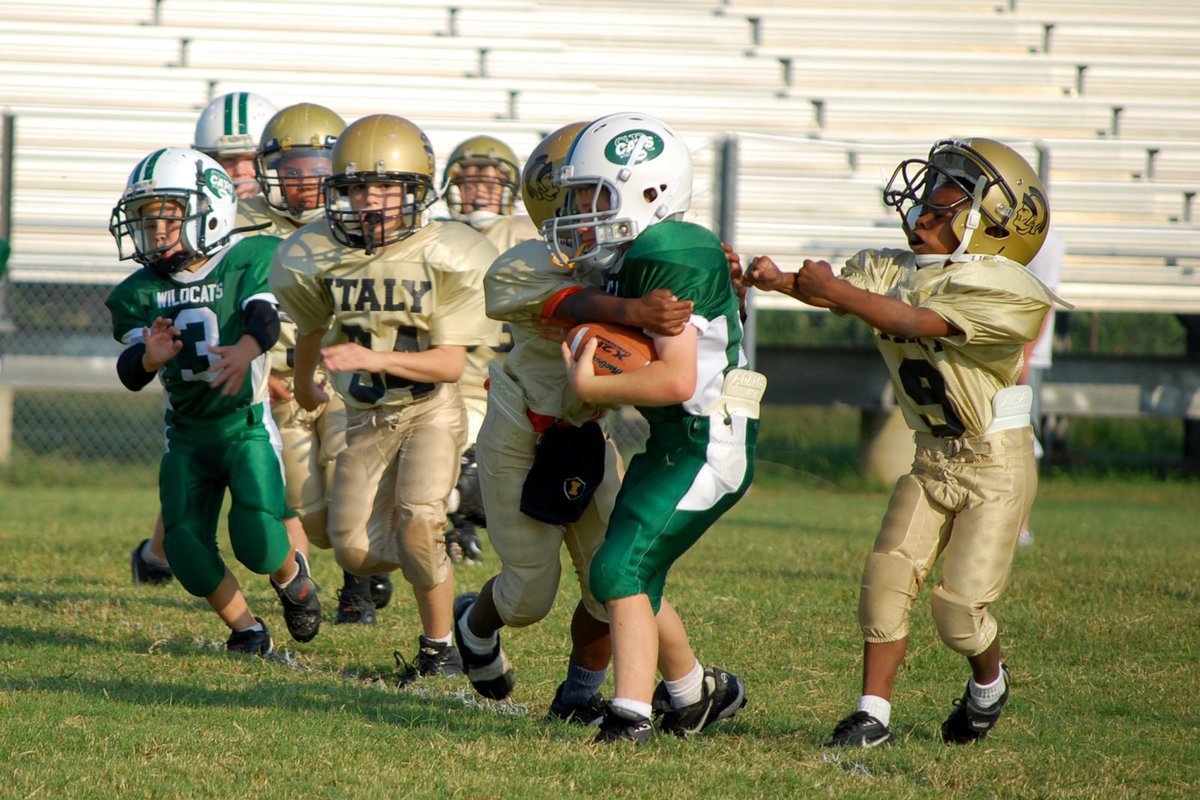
x=723 y=694
x=968 y=722
x=301 y=606
x=490 y=673
x=587 y=715
x=463 y=545
x=381 y=590
x=146 y=573
x=251 y=643
x=433 y=658
x=354 y=609
x=616 y=728
x=860 y=729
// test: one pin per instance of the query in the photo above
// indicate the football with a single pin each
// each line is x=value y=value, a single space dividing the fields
x=618 y=348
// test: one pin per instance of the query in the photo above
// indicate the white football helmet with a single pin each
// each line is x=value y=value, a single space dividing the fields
x=180 y=189
x=233 y=124
x=644 y=170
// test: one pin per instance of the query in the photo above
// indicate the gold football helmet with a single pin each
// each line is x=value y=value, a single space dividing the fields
x=294 y=158
x=1008 y=213
x=480 y=180
x=381 y=184
x=542 y=198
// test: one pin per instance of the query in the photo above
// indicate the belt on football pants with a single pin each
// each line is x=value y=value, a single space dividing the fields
x=952 y=446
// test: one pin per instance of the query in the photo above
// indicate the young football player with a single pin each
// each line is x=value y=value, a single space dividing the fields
x=200 y=317
x=629 y=180
x=531 y=413
x=398 y=302
x=950 y=317
x=228 y=130
x=479 y=187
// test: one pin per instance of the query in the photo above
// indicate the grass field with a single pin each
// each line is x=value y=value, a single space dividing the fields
x=115 y=691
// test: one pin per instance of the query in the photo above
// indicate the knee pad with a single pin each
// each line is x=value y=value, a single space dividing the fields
x=964 y=625
x=422 y=538
x=889 y=587
x=260 y=541
x=316 y=526
x=199 y=569
x=527 y=598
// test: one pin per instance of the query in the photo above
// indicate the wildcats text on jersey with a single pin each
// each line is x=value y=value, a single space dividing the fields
x=187 y=295
x=362 y=294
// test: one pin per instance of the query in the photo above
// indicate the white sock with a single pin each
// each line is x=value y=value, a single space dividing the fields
x=688 y=689
x=257 y=626
x=630 y=709
x=986 y=695
x=153 y=558
x=877 y=707
x=447 y=639
x=481 y=645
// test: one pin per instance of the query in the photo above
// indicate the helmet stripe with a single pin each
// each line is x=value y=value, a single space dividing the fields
x=243 y=117
x=228 y=127
x=145 y=170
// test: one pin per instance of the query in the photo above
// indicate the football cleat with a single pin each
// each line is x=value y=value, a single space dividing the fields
x=146 y=573
x=616 y=728
x=301 y=606
x=587 y=715
x=968 y=722
x=354 y=609
x=433 y=658
x=491 y=674
x=381 y=590
x=860 y=729
x=723 y=693
x=252 y=643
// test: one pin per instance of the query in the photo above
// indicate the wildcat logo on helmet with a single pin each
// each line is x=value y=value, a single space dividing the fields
x=218 y=182
x=634 y=147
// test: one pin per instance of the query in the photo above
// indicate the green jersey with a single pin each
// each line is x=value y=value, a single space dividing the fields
x=688 y=260
x=206 y=306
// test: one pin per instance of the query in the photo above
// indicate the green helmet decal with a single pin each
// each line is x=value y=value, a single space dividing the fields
x=219 y=183
x=633 y=147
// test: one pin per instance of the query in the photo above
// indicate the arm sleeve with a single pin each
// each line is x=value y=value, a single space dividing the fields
x=130 y=370
x=261 y=321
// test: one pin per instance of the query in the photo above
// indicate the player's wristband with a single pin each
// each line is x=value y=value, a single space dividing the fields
x=130 y=370
x=261 y=321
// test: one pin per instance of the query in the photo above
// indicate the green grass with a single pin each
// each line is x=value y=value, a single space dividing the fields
x=114 y=691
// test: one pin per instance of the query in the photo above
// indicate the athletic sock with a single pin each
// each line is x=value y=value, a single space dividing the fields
x=447 y=639
x=581 y=683
x=357 y=585
x=152 y=558
x=877 y=707
x=631 y=710
x=257 y=626
x=986 y=695
x=687 y=690
x=479 y=645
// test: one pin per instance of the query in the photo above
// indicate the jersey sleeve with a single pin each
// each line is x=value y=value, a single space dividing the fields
x=296 y=281
x=127 y=312
x=260 y=254
x=522 y=286
x=991 y=303
x=686 y=259
x=461 y=317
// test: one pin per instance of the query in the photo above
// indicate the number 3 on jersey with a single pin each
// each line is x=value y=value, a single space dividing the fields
x=198 y=330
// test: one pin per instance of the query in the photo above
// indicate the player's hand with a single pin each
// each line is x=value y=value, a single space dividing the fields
x=765 y=274
x=162 y=343
x=660 y=313
x=234 y=363
x=277 y=389
x=814 y=279
x=581 y=373
x=309 y=394
x=736 y=277
x=351 y=357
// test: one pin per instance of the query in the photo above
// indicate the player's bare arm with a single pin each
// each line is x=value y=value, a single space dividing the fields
x=277 y=389
x=438 y=364
x=669 y=379
x=162 y=343
x=309 y=395
x=736 y=277
x=883 y=313
x=658 y=312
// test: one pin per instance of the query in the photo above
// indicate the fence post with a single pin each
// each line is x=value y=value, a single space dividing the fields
x=725 y=223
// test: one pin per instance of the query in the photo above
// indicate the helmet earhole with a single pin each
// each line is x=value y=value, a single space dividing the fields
x=650 y=195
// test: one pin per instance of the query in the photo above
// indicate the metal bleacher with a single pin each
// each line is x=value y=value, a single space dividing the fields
x=823 y=98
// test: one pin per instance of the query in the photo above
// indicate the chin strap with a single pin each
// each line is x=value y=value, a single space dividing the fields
x=974 y=216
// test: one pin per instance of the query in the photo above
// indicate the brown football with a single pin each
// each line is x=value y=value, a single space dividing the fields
x=618 y=348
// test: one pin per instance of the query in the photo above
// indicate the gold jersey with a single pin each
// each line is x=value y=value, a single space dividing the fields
x=509 y=231
x=254 y=212
x=523 y=289
x=945 y=385
x=423 y=291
